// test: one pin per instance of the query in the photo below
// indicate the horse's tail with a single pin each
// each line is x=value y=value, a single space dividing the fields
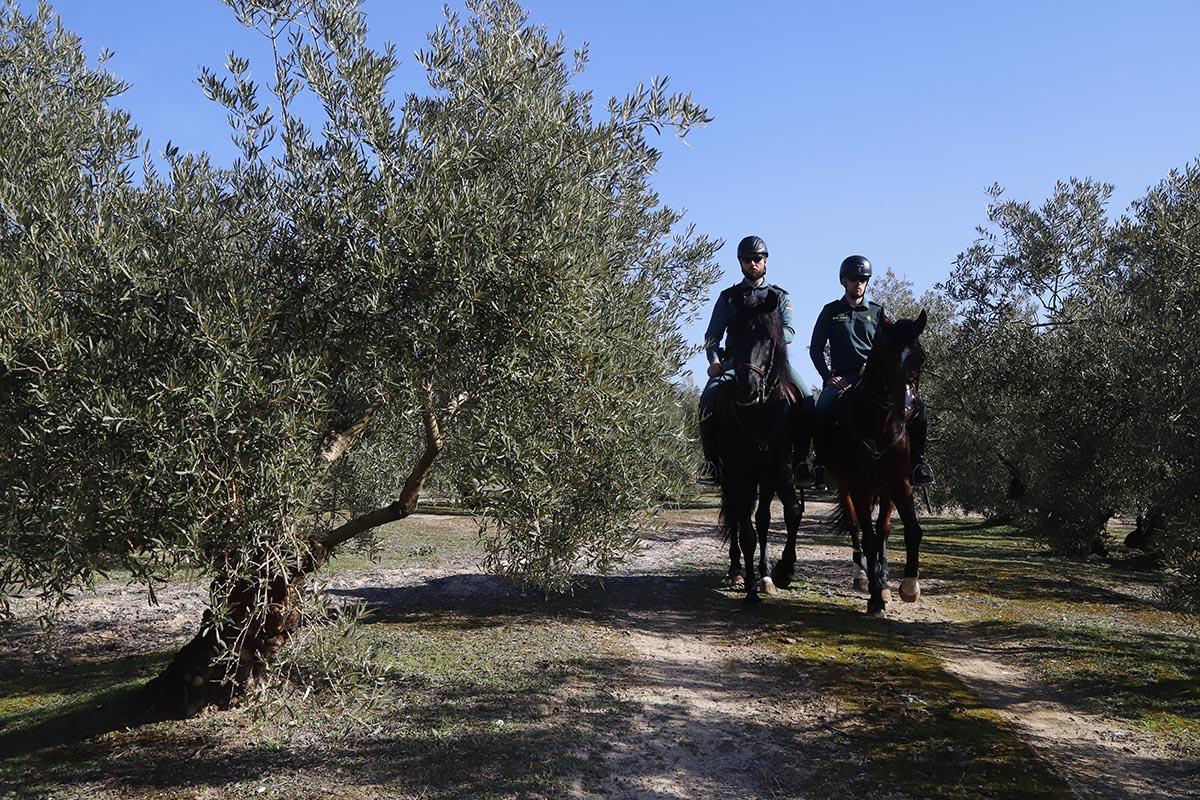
x=727 y=520
x=840 y=519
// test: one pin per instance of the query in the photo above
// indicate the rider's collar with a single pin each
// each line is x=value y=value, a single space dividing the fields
x=865 y=305
x=758 y=284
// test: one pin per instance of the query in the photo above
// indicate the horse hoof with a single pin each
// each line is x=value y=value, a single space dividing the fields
x=782 y=579
x=886 y=593
x=861 y=584
x=910 y=590
x=766 y=586
x=734 y=581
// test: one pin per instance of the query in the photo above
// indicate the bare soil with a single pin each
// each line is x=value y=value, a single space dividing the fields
x=710 y=698
x=683 y=693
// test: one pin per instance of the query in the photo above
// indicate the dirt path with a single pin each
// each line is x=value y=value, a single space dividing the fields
x=700 y=708
x=711 y=714
x=709 y=705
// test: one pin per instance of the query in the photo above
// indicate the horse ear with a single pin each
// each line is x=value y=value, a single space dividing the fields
x=772 y=302
x=921 y=320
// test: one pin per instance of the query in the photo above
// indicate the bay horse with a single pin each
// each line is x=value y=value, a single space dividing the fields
x=758 y=418
x=864 y=446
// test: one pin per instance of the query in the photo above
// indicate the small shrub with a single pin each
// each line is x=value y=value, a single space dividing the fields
x=332 y=670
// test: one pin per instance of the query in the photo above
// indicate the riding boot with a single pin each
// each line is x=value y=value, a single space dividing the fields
x=917 y=429
x=709 y=473
x=803 y=472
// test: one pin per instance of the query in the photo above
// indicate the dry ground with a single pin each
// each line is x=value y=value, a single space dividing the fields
x=1016 y=676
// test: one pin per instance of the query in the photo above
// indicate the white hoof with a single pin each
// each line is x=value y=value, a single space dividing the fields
x=910 y=590
x=860 y=581
x=886 y=594
x=766 y=586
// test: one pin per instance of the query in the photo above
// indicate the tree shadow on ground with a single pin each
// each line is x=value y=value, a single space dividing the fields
x=111 y=696
x=677 y=601
x=545 y=735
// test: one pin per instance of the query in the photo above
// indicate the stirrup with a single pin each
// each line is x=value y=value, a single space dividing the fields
x=922 y=475
x=804 y=475
x=708 y=473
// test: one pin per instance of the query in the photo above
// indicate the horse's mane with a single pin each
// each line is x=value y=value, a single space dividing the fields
x=773 y=322
x=900 y=330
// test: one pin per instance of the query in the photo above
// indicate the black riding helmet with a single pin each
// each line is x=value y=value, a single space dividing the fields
x=855 y=267
x=751 y=245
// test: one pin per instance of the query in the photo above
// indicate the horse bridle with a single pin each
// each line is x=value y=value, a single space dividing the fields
x=766 y=388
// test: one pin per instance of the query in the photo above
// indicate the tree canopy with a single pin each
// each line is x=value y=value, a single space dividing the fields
x=241 y=368
x=1065 y=389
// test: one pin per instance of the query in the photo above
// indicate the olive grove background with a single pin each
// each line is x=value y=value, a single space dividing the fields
x=1062 y=373
x=474 y=288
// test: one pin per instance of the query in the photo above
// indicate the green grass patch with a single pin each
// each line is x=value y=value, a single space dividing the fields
x=913 y=725
x=504 y=710
x=507 y=708
x=57 y=718
x=1091 y=633
x=422 y=540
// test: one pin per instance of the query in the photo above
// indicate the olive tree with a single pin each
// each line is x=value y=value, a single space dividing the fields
x=241 y=369
x=1038 y=414
x=1153 y=343
x=1075 y=370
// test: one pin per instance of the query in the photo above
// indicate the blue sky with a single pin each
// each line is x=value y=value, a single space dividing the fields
x=868 y=127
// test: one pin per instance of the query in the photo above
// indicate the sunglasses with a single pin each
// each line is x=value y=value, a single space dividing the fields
x=754 y=259
x=857 y=280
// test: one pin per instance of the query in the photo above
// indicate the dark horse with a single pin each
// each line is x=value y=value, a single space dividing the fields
x=758 y=419
x=864 y=445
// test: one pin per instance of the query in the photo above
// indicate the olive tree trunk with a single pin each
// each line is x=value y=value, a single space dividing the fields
x=259 y=624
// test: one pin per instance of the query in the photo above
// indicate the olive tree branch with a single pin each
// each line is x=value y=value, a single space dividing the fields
x=435 y=429
x=339 y=441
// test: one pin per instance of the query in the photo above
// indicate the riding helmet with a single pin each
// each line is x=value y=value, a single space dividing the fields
x=855 y=267
x=750 y=246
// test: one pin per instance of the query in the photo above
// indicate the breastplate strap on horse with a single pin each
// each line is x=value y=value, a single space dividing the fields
x=763 y=444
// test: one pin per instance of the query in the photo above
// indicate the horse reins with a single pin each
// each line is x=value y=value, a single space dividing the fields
x=882 y=401
x=765 y=372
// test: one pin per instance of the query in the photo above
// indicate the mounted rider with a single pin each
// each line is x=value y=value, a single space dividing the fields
x=752 y=257
x=848 y=326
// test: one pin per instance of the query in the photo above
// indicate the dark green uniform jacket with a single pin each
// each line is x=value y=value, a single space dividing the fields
x=723 y=314
x=850 y=332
